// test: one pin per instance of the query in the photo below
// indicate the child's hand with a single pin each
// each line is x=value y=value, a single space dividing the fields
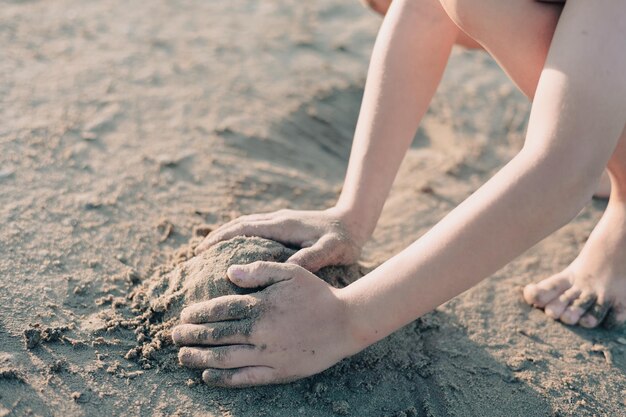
x=295 y=327
x=324 y=236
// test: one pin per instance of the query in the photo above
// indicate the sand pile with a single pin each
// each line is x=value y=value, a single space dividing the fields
x=161 y=298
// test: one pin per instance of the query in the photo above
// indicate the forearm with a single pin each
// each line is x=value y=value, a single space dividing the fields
x=521 y=205
x=409 y=57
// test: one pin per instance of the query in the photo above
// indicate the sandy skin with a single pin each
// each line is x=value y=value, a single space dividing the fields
x=555 y=174
x=264 y=352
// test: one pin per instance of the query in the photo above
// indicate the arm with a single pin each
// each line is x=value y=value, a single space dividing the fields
x=578 y=115
x=409 y=57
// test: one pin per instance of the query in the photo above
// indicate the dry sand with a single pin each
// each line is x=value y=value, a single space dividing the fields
x=126 y=126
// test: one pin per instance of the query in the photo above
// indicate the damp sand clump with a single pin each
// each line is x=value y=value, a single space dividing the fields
x=161 y=298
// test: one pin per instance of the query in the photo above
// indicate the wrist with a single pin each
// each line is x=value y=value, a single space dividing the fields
x=358 y=223
x=358 y=332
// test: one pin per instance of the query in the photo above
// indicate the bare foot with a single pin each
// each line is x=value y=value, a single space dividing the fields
x=604 y=187
x=592 y=289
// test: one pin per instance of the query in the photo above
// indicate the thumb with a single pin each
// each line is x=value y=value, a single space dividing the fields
x=260 y=274
x=321 y=254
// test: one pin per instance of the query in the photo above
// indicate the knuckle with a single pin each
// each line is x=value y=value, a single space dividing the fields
x=206 y=333
x=220 y=355
x=205 y=357
x=292 y=267
x=335 y=237
x=234 y=309
x=257 y=267
x=298 y=261
x=289 y=223
x=248 y=378
x=236 y=230
x=216 y=311
x=308 y=262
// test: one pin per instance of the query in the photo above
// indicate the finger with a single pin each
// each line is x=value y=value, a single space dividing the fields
x=268 y=229
x=249 y=218
x=540 y=294
x=228 y=332
x=260 y=274
x=577 y=308
x=324 y=252
x=556 y=307
x=615 y=317
x=228 y=307
x=204 y=245
x=222 y=357
x=595 y=315
x=239 y=378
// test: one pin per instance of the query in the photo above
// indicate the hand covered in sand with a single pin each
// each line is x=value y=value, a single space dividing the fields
x=296 y=326
x=323 y=236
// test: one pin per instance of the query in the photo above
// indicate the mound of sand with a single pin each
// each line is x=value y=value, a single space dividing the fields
x=204 y=277
x=161 y=298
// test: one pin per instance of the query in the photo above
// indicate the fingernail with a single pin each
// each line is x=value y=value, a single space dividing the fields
x=210 y=377
x=236 y=272
x=176 y=336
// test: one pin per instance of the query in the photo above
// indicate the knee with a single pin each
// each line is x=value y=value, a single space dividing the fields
x=425 y=9
x=379 y=6
x=464 y=12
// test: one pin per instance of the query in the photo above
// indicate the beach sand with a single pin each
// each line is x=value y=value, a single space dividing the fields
x=130 y=129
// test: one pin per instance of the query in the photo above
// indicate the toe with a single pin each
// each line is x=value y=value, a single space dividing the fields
x=556 y=307
x=572 y=314
x=540 y=294
x=615 y=317
x=595 y=315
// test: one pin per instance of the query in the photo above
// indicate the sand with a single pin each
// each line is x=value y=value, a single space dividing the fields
x=155 y=306
x=127 y=127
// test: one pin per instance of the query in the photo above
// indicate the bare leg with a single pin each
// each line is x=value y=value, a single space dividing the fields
x=381 y=7
x=593 y=287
